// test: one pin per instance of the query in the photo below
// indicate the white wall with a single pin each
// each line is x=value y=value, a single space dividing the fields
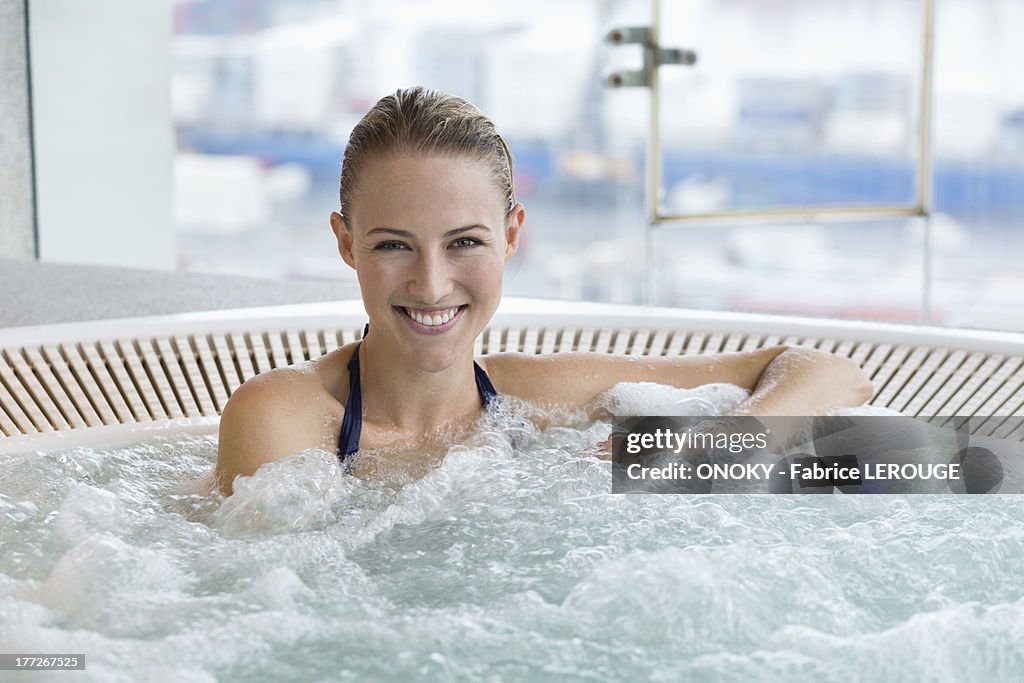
x=17 y=231
x=100 y=75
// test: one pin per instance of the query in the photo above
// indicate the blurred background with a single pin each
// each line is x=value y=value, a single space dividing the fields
x=791 y=104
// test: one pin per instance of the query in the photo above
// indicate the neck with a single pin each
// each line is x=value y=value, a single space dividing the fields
x=397 y=392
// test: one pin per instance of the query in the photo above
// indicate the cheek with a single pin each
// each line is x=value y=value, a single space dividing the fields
x=485 y=275
x=374 y=280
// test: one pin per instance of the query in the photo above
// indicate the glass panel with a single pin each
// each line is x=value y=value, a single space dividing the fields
x=266 y=92
x=978 y=229
x=867 y=271
x=804 y=103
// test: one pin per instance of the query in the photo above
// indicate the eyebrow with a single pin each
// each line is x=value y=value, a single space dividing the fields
x=407 y=234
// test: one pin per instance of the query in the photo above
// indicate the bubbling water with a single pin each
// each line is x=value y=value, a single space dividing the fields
x=509 y=560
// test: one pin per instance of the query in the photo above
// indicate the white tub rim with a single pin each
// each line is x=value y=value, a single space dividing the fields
x=513 y=313
x=523 y=312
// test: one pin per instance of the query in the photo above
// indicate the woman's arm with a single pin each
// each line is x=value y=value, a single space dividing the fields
x=274 y=414
x=782 y=380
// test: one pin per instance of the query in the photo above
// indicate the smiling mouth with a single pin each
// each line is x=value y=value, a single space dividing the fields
x=433 y=320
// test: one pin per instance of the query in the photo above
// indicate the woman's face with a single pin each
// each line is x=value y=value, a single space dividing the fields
x=428 y=237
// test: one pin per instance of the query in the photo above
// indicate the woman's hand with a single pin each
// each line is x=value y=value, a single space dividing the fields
x=807 y=382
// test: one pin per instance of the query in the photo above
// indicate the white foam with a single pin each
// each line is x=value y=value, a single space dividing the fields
x=646 y=398
x=88 y=509
x=17 y=512
x=80 y=583
x=278 y=589
x=290 y=494
x=511 y=562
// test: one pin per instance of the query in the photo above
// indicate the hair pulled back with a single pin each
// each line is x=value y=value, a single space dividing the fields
x=419 y=120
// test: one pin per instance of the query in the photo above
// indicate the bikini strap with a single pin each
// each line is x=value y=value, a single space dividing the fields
x=352 y=422
x=484 y=386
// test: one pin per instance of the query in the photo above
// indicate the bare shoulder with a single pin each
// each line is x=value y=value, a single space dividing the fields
x=576 y=379
x=274 y=414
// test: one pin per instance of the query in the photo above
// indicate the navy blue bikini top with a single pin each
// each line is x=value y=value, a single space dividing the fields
x=352 y=423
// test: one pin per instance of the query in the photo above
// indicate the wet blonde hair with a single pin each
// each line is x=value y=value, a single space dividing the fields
x=418 y=120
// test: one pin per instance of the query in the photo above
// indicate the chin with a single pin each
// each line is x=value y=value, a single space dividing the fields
x=435 y=360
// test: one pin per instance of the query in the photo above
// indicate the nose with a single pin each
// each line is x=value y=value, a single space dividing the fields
x=431 y=280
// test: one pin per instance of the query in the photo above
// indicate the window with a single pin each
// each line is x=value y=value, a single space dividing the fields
x=794 y=109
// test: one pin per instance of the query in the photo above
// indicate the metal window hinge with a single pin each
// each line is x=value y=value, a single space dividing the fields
x=654 y=56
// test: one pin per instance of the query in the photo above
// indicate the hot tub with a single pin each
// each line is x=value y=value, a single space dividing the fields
x=502 y=563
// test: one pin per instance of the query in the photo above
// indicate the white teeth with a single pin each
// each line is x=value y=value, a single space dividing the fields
x=433 y=320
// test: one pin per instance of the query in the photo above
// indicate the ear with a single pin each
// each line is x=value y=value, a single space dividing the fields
x=513 y=231
x=343 y=234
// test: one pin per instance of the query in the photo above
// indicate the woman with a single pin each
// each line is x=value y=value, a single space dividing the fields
x=428 y=220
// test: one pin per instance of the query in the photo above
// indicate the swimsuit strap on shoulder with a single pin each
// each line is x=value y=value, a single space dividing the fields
x=484 y=386
x=352 y=422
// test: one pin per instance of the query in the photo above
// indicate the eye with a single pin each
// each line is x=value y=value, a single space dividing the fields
x=389 y=246
x=466 y=242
